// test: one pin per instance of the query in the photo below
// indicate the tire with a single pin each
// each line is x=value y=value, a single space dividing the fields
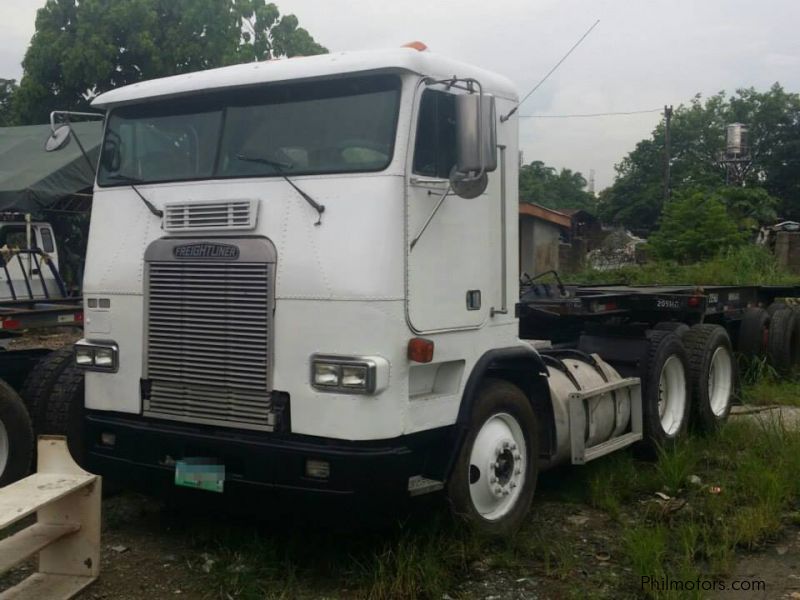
x=673 y=326
x=753 y=332
x=65 y=411
x=783 y=344
x=494 y=500
x=665 y=377
x=16 y=436
x=38 y=386
x=775 y=307
x=712 y=375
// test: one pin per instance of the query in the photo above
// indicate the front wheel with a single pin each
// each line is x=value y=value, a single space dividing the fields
x=494 y=477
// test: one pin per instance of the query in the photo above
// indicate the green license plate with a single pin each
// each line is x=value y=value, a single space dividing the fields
x=200 y=474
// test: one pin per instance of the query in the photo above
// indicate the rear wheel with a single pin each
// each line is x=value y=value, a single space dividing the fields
x=494 y=477
x=673 y=326
x=775 y=307
x=753 y=332
x=16 y=436
x=783 y=345
x=665 y=390
x=712 y=374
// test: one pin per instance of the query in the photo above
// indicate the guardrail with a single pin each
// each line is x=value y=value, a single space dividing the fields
x=66 y=534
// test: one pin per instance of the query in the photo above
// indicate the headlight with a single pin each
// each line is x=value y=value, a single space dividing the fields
x=104 y=357
x=354 y=376
x=326 y=375
x=344 y=374
x=97 y=355
x=84 y=356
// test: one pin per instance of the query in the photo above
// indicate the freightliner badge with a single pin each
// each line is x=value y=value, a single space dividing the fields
x=206 y=250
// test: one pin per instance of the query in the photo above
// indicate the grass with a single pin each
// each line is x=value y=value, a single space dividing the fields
x=748 y=493
x=738 y=266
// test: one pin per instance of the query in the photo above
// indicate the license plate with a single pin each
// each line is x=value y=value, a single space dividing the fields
x=200 y=474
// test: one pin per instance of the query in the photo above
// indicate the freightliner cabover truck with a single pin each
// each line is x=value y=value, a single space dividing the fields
x=303 y=274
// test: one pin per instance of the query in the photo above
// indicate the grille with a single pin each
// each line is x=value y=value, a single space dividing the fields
x=208 y=342
x=205 y=216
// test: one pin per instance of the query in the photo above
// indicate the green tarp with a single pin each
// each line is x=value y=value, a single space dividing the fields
x=31 y=178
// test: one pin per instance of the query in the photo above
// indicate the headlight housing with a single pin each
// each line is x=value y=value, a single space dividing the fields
x=97 y=355
x=343 y=374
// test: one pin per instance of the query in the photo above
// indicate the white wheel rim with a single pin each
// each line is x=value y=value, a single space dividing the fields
x=672 y=395
x=3 y=448
x=720 y=381
x=497 y=466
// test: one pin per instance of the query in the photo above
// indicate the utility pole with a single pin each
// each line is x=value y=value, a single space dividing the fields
x=667 y=121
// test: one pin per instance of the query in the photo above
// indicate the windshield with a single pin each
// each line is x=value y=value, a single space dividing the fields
x=333 y=126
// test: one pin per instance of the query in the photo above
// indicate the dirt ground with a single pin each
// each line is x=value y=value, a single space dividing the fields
x=149 y=552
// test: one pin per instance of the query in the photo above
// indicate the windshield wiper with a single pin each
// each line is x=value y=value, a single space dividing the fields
x=132 y=181
x=279 y=167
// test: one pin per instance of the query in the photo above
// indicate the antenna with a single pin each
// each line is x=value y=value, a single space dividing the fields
x=505 y=118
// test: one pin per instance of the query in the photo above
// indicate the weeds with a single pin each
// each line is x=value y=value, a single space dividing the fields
x=738 y=266
x=674 y=467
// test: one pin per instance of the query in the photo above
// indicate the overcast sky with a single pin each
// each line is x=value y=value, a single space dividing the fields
x=642 y=55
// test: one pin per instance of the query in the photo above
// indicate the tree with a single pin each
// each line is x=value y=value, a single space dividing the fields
x=697 y=143
x=749 y=206
x=544 y=185
x=8 y=88
x=695 y=225
x=85 y=47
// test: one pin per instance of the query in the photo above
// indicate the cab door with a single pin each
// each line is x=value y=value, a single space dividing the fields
x=450 y=278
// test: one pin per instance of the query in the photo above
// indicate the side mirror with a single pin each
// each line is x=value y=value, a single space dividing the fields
x=59 y=137
x=476 y=133
x=110 y=156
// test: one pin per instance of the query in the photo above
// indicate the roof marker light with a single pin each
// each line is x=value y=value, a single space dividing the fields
x=416 y=45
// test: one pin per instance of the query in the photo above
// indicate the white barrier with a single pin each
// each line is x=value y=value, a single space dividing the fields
x=66 y=534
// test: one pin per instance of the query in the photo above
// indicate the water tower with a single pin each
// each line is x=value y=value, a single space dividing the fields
x=737 y=158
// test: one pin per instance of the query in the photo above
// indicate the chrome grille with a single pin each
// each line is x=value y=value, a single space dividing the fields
x=208 y=328
x=206 y=216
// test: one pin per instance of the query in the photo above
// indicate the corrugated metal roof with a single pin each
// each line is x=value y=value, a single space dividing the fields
x=546 y=214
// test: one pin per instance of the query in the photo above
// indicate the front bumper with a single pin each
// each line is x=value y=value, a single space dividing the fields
x=145 y=450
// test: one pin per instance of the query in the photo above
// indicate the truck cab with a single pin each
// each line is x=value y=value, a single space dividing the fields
x=305 y=271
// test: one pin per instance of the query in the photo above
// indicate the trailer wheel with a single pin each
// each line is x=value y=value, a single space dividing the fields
x=39 y=384
x=712 y=374
x=673 y=326
x=753 y=332
x=665 y=390
x=494 y=478
x=65 y=410
x=16 y=436
x=783 y=345
x=775 y=307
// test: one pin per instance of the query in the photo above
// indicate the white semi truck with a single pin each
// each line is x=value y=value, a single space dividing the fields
x=303 y=274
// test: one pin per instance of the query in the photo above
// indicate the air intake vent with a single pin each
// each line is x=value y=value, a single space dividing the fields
x=210 y=216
